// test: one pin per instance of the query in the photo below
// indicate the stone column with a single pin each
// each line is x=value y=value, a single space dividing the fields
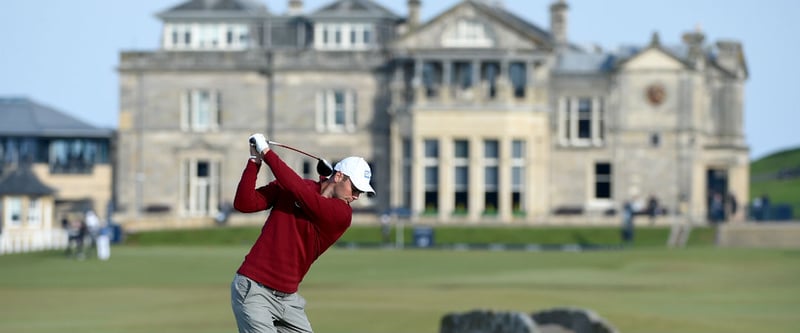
x=476 y=187
x=477 y=94
x=446 y=92
x=420 y=95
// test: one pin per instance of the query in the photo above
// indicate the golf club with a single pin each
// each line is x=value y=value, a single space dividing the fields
x=323 y=167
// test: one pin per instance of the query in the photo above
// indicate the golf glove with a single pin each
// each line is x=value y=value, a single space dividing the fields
x=254 y=155
x=259 y=142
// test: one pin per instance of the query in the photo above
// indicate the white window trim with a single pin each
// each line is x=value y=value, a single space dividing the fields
x=189 y=113
x=460 y=162
x=34 y=219
x=326 y=111
x=345 y=30
x=568 y=108
x=204 y=35
x=519 y=162
x=491 y=162
x=467 y=33
x=12 y=204
x=190 y=202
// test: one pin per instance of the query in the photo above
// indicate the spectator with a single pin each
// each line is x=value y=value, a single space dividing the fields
x=717 y=209
x=627 y=223
x=765 y=215
x=92 y=227
x=652 y=208
x=732 y=206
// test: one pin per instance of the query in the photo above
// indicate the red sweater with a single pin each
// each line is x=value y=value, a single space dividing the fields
x=301 y=225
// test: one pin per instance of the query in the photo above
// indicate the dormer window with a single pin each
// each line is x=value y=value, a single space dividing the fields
x=467 y=33
x=206 y=36
x=343 y=36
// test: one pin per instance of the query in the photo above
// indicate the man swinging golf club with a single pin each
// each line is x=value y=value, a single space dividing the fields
x=306 y=218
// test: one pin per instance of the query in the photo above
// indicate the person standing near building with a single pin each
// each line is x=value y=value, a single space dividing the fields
x=306 y=218
x=627 y=223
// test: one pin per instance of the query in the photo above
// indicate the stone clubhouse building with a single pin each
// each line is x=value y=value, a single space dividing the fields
x=474 y=116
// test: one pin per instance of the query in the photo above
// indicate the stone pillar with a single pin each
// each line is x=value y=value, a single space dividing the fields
x=420 y=94
x=446 y=92
x=477 y=94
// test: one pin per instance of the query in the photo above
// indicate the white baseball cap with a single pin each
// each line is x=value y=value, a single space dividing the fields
x=359 y=172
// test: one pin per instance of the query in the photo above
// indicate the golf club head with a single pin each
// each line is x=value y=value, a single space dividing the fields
x=324 y=168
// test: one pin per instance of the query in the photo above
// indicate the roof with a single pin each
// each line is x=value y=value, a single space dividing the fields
x=514 y=20
x=21 y=116
x=214 y=8
x=582 y=62
x=355 y=9
x=500 y=15
x=23 y=181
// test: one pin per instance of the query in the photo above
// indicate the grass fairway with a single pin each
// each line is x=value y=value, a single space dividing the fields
x=186 y=289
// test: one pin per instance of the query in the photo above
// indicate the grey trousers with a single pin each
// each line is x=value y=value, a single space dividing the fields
x=258 y=310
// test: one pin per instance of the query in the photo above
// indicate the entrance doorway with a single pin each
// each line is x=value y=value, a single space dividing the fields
x=716 y=194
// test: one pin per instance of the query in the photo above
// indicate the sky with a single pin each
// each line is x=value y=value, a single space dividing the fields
x=64 y=54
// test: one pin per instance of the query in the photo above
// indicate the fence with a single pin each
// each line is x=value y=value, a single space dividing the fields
x=32 y=240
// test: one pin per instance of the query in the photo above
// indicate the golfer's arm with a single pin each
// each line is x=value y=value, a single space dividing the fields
x=248 y=199
x=311 y=200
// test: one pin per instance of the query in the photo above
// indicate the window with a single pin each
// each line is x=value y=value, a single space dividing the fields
x=602 y=181
x=200 y=110
x=432 y=77
x=76 y=156
x=581 y=121
x=34 y=212
x=517 y=71
x=461 y=77
x=13 y=211
x=491 y=176
x=206 y=36
x=200 y=190
x=517 y=176
x=584 y=118
x=336 y=110
x=461 y=173
x=489 y=73
x=431 y=164
x=655 y=140
x=14 y=150
x=343 y=36
x=467 y=33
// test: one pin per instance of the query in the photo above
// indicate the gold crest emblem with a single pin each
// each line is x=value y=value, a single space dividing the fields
x=656 y=94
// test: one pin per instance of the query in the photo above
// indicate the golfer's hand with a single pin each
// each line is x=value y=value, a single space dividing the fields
x=260 y=143
x=254 y=155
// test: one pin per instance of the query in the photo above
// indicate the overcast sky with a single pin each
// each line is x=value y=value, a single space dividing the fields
x=64 y=53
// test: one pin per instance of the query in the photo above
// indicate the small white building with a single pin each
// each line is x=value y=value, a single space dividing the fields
x=26 y=214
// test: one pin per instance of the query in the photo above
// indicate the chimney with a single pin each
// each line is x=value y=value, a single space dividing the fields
x=295 y=7
x=413 y=13
x=558 y=23
x=694 y=40
x=729 y=56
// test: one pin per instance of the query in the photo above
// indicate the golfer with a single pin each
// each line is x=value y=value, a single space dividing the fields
x=307 y=217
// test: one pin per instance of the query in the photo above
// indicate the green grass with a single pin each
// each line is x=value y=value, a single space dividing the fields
x=444 y=235
x=186 y=289
x=773 y=163
x=780 y=191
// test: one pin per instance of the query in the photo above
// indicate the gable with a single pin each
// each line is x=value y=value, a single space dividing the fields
x=213 y=8
x=473 y=26
x=652 y=58
x=354 y=9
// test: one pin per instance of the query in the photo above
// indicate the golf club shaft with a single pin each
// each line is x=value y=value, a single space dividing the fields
x=273 y=143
